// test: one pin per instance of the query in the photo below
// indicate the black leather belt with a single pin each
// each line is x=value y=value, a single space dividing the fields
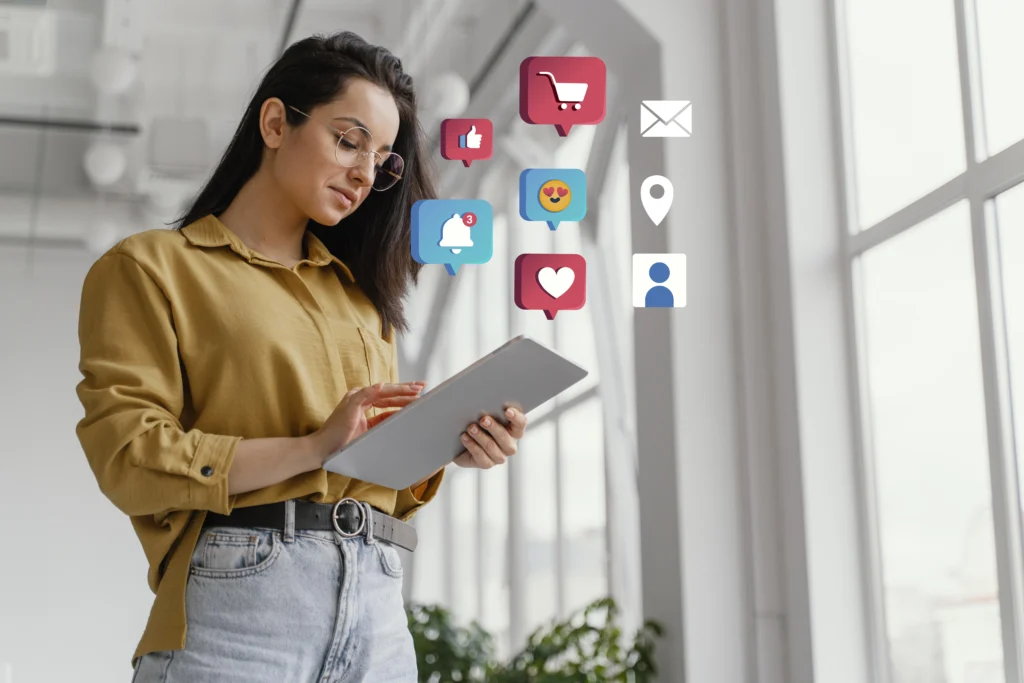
x=347 y=517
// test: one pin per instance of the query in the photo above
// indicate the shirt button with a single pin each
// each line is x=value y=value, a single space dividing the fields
x=206 y=471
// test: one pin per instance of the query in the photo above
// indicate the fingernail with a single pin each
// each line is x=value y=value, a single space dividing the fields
x=465 y=438
x=472 y=429
x=510 y=412
x=485 y=422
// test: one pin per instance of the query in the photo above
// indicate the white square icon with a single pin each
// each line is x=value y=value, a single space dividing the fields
x=659 y=280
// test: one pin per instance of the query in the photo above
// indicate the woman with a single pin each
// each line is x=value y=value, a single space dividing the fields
x=225 y=360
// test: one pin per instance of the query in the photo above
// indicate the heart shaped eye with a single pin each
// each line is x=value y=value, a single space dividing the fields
x=562 y=191
x=548 y=191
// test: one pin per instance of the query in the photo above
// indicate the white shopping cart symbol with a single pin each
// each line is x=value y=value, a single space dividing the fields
x=567 y=93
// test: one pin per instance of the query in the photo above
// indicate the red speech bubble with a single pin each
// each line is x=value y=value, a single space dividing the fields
x=467 y=140
x=550 y=283
x=562 y=91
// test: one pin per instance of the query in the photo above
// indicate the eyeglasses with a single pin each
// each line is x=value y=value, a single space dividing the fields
x=355 y=146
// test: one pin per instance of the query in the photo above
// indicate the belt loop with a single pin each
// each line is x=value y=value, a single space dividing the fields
x=289 y=520
x=368 y=512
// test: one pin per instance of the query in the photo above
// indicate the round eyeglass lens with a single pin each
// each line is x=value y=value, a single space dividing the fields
x=389 y=172
x=356 y=145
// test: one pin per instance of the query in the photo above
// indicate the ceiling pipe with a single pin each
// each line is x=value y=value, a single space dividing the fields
x=289 y=26
x=72 y=124
x=501 y=46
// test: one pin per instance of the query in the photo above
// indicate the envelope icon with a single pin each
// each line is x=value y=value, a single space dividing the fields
x=666 y=119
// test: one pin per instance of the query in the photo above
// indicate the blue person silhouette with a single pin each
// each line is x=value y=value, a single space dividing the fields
x=659 y=297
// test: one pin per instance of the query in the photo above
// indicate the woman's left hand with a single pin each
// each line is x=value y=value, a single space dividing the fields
x=489 y=443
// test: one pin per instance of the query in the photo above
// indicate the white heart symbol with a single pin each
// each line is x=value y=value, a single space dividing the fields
x=556 y=284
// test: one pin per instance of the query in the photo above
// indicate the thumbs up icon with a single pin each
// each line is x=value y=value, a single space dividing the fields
x=472 y=139
x=467 y=140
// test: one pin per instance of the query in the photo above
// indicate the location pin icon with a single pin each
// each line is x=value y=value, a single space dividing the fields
x=656 y=207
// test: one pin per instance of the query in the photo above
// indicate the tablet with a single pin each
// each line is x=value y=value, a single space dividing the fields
x=423 y=437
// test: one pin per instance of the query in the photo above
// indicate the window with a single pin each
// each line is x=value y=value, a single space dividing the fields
x=933 y=224
x=538 y=501
x=1010 y=216
x=494 y=612
x=1002 y=53
x=581 y=448
x=906 y=118
x=927 y=413
x=463 y=491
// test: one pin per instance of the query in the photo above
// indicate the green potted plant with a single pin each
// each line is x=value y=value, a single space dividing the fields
x=586 y=647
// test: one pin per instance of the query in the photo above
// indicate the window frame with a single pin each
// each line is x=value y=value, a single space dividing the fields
x=980 y=184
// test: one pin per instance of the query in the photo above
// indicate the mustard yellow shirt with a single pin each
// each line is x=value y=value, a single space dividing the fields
x=190 y=342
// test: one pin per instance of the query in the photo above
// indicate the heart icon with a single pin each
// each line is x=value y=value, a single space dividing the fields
x=562 y=191
x=548 y=191
x=556 y=283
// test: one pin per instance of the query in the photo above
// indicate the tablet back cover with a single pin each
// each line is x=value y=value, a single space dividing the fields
x=423 y=437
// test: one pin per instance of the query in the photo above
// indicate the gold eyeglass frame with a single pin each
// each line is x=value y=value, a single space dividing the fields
x=362 y=155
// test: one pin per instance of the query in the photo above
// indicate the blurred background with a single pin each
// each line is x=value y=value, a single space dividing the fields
x=810 y=473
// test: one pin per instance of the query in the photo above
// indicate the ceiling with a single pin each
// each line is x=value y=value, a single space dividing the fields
x=198 y=63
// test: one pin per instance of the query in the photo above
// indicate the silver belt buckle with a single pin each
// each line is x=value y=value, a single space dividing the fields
x=362 y=517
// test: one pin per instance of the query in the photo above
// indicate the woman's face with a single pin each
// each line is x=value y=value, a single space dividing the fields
x=306 y=166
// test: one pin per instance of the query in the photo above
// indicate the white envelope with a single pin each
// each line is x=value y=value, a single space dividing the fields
x=666 y=119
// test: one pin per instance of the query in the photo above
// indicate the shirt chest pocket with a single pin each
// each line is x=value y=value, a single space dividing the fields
x=365 y=357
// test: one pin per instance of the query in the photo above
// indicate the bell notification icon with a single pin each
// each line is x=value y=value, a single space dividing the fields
x=452 y=232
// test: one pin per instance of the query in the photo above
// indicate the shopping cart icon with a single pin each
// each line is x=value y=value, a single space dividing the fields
x=552 y=91
x=567 y=93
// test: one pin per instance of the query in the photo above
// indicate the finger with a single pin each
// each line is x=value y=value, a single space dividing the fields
x=381 y=400
x=377 y=419
x=396 y=386
x=500 y=433
x=472 y=131
x=394 y=402
x=480 y=457
x=517 y=422
x=487 y=442
x=403 y=386
x=366 y=395
x=464 y=459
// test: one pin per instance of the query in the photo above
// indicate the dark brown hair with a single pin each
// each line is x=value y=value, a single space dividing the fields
x=374 y=240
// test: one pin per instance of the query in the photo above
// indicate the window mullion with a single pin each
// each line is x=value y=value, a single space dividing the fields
x=995 y=376
x=853 y=239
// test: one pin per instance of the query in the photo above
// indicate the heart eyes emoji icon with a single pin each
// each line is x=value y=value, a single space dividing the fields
x=555 y=196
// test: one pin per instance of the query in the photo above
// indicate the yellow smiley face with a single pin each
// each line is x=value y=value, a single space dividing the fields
x=555 y=196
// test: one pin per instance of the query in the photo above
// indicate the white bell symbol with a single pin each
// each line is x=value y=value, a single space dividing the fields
x=455 y=234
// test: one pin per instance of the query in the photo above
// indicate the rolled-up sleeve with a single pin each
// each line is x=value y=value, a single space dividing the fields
x=133 y=394
x=411 y=499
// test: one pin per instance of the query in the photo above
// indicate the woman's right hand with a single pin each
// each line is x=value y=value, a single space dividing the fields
x=349 y=419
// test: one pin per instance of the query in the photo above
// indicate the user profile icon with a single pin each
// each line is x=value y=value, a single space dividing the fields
x=659 y=280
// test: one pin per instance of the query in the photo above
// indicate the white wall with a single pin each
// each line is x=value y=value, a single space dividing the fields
x=73 y=597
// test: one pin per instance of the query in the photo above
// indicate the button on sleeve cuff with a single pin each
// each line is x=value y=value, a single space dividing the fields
x=209 y=473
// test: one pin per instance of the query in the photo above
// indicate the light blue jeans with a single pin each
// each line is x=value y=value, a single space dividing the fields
x=277 y=607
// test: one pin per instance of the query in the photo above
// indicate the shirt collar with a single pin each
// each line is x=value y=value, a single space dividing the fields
x=209 y=231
